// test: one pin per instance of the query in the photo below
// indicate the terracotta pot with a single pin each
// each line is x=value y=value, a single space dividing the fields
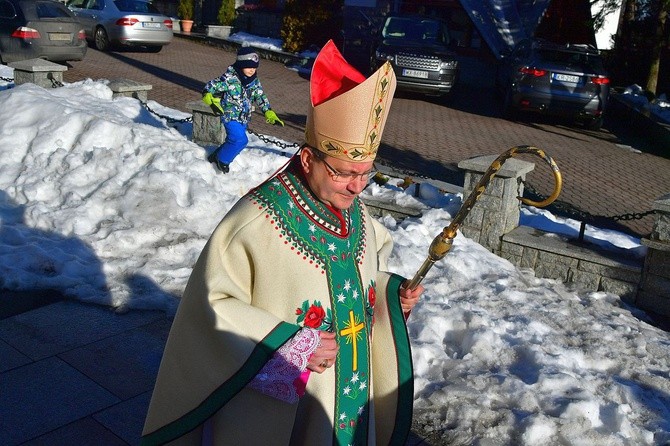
x=186 y=25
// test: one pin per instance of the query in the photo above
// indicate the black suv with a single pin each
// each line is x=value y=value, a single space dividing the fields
x=566 y=80
x=419 y=50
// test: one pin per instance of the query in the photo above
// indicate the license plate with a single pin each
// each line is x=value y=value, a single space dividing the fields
x=415 y=73
x=60 y=36
x=151 y=25
x=566 y=78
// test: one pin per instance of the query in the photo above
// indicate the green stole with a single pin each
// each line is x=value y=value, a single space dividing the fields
x=309 y=227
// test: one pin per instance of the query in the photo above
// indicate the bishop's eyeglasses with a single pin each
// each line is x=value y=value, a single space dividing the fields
x=340 y=177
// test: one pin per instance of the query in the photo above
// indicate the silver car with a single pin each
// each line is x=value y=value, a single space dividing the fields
x=123 y=23
x=39 y=29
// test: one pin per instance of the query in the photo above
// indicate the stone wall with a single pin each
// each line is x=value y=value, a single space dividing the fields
x=587 y=266
x=654 y=289
x=493 y=223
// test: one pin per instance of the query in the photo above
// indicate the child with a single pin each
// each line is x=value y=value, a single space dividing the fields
x=231 y=95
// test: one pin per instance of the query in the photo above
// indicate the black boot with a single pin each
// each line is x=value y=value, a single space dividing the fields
x=223 y=167
x=212 y=156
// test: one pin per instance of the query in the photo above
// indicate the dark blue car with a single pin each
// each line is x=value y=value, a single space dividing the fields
x=566 y=80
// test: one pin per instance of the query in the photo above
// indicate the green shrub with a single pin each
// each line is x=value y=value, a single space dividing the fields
x=310 y=22
x=226 y=14
x=185 y=9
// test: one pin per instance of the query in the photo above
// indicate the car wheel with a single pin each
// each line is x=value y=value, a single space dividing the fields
x=595 y=123
x=101 y=39
x=154 y=48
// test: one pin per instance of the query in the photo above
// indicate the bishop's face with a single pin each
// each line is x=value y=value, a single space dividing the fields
x=334 y=181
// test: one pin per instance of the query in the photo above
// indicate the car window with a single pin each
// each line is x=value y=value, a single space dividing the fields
x=584 y=60
x=96 y=4
x=50 y=10
x=395 y=27
x=7 y=10
x=415 y=29
x=136 y=6
x=75 y=3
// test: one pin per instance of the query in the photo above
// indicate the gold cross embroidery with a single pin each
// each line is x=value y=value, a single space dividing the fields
x=351 y=332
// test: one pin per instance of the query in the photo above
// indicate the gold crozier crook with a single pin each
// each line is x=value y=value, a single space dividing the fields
x=442 y=243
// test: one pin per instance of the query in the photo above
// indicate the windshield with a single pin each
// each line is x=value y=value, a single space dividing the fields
x=569 y=58
x=51 y=10
x=426 y=30
x=136 y=6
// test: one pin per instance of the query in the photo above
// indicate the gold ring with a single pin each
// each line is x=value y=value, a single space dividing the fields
x=324 y=363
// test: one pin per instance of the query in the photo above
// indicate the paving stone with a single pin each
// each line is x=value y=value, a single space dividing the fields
x=11 y=357
x=62 y=326
x=84 y=432
x=42 y=396
x=125 y=364
x=126 y=419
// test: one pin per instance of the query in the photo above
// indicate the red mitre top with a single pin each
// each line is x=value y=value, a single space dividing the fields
x=332 y=75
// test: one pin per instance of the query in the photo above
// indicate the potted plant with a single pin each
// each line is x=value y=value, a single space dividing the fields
x=185 y=13
x=225 y=17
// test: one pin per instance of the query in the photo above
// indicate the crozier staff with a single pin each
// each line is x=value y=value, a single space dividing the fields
x=291 y=330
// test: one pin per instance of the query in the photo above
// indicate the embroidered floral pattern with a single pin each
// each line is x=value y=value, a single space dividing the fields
x=314 y=316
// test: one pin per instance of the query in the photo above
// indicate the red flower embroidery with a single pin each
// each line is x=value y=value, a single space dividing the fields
x=372 y=296
x=314 y=316
x=298 y=311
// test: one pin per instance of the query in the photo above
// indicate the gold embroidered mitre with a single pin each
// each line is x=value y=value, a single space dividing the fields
x=347 y=112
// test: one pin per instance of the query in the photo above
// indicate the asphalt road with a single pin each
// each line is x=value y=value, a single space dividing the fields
x=604 y=172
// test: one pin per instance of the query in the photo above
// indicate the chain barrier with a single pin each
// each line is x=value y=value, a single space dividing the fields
x=55 y=83
x=267 y=140
x=6 y=79
x=570 y=211
x=169 y=119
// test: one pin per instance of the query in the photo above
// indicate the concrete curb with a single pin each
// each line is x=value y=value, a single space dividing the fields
x=229 y=45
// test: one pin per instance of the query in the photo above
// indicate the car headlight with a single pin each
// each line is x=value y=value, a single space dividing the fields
x=383 y=55
x=448 y=64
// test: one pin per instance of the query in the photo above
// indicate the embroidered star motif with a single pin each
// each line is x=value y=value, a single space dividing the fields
x=347 y=285
x=347 y=390
x=362 y=385
x=343 y=416
x=312 y=227
x=331 y=247
x=355 y=294
x=360 y=410
x=354 y=378
x=341 y=298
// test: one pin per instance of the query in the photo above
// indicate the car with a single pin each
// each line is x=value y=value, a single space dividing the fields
x=559 y=80
x=130 y=23
x=419 y=49
x=39 y=29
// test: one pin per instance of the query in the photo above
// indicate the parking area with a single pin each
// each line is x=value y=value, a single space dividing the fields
x=604 y=175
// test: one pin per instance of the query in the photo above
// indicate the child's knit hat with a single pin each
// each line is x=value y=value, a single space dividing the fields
x=247 y=57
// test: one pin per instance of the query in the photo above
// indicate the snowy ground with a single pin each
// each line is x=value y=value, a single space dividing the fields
x=106 y=203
